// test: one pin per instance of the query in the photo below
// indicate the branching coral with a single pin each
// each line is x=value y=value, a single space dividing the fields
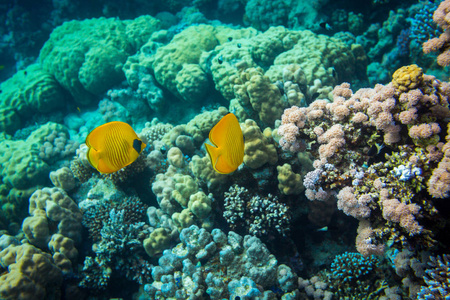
x=98 y=214
x=259 y=216
x=121 y=249
x=437 y=279
x=354 y=276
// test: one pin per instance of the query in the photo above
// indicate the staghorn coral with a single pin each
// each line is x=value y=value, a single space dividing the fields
x=356 y=277
x=436 y=279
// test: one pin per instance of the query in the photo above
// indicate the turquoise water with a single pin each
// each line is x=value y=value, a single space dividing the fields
x=342 y=193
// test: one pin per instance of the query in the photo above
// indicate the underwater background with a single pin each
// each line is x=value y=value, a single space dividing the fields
x=345 y=183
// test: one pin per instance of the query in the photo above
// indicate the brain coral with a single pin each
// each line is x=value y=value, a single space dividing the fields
x=86 y=57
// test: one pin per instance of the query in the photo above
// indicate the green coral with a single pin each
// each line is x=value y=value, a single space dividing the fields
x=26 y=93
x=86 y=57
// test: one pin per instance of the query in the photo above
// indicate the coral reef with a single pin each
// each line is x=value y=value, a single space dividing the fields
x=259 y=216
x=440 y=17
x=31 y=274
x=100 y=47
x=341 y=135
x=244 y=262
x=436 y=279
x=328 y=171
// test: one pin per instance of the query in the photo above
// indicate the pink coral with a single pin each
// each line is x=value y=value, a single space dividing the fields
x=383 y=120
x=335 y=131
x=365 y=240
x=408 y=116
x=342 y=90
x=442 y=17
x=340 y=112
x=351 y=206
x=397 y=212
x=315 y=114
x=439 y=182
x=360 y=117
x=423 y=131
x=392 y=134
x=289 y=132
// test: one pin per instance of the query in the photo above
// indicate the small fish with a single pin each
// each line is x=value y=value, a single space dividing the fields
x=227 y=154
x=326 y=26
x=2 y=67
x=377 y=153
x=333 y=72
x=78 y=108
x=113 y=146
x=220 y=59
x=375 y=149
x=323 y=229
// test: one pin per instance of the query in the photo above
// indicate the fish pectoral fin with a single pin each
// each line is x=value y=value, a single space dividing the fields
x=213 y=153
x=93 y=157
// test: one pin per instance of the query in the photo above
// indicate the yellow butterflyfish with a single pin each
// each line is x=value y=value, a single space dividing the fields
x=227 y=154
x=113 y=146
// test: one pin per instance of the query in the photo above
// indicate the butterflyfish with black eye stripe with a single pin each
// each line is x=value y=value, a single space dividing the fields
x=113 y=146
x=227 y=154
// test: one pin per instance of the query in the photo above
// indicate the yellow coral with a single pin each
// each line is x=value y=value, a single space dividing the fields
x=407 y=77
x=289 y=183
x=175 y=157
x=203 y=171
x=31 y=274
x=157 y=242
x=200 y=205
x=185 y=186
x=258 y=150
x=63 y=245
x=183 y=219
